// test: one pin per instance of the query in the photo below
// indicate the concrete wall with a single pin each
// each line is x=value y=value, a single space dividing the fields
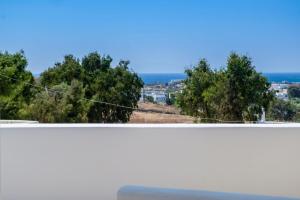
x=62 y=162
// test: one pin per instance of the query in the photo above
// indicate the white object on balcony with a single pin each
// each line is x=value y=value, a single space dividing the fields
x=149 y=193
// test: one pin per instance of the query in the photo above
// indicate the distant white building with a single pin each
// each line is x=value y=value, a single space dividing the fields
x=160 y=98
x=281 y=90
x=279 y=86
x=282 y=95
x=157 y=95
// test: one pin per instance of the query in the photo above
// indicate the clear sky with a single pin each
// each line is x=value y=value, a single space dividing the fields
x=162 y=36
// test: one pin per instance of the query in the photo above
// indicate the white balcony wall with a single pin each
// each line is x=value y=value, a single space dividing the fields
x=76 y=162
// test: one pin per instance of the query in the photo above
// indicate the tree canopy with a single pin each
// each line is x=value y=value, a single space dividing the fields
x=72 y=91
x=60 y=103
x=15 y=89
x=236 y=93
x=294 y=91
x=103 y=86
x=193 y=100
x=282 y=110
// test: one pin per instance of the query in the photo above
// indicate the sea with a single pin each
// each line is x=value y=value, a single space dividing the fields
x=164 y=78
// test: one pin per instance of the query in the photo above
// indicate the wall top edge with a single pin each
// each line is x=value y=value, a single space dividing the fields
x=281 y=125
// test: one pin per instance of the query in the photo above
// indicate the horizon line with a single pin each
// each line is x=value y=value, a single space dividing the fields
x=287 y=72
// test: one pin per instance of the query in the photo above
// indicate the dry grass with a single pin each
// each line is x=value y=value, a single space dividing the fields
x=158 y=114
x=159 y=108
x=154 y=118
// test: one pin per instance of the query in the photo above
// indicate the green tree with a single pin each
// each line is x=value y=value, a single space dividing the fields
x=171 y=99
x=214 y=96
x=237 y=93
x=64 y=72
x=294 y=91
x=46 y=106
x=94 y=62
x=109 y=93
x=15 y=89
x=247 y=91
x=281 y=110
x=192 y=99
x=61 y=104
x=118 y=86
x=77 y=104
x=95 y=67
x=149 y=99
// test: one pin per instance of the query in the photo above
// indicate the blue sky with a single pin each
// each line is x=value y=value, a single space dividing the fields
x=159 y=36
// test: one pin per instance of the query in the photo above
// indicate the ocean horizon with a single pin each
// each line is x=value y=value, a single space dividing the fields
x=163 y=78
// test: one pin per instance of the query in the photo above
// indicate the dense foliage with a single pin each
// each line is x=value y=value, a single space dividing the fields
x=15 y=89
x=91 y=90
x=71 y=91
x=282 y=110
x=286 y=109
x=60 y=103
x=235 y=94
x=294 y=91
